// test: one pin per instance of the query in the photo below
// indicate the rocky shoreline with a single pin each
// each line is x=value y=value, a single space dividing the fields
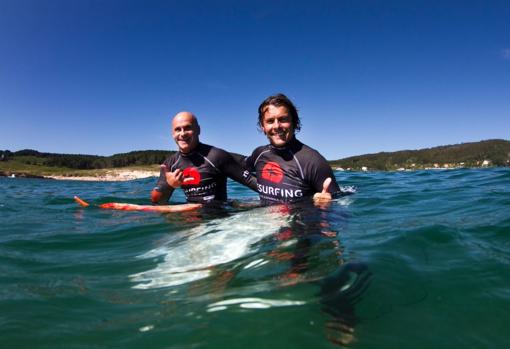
x=18 y=175
x=109 y=176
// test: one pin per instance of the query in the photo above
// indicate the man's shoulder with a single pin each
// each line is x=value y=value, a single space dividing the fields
x=260 y=149
x=210 y=150
x=172 y=157
x=310 y=155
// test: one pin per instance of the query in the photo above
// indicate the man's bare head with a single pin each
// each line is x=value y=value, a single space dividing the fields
x=185 y=131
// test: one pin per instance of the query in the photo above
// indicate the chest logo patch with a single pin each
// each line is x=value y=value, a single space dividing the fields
x=272 y=172
x=191 y=176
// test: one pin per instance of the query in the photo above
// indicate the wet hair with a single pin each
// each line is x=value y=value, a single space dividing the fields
x=280 y=100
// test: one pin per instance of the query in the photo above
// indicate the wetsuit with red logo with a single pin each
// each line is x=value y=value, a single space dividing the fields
x=290 y=173
x=205 y=172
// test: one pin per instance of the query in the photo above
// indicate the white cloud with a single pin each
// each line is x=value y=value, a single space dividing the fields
x=506 y=53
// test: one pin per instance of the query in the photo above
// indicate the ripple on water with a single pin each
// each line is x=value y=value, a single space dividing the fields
x=381 y=266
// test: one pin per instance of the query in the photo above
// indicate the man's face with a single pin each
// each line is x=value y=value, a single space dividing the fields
x=185 y=132
x=277 y=125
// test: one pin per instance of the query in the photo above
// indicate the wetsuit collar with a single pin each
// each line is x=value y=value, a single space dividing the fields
x=199 y=145
x=290 y=145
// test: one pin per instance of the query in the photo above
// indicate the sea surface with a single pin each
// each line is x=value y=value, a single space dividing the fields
x=412 y=260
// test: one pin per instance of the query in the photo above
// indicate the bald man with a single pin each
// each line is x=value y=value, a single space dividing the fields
x=199 y=169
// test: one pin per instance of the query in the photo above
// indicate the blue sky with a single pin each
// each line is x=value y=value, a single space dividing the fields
x=105 y=77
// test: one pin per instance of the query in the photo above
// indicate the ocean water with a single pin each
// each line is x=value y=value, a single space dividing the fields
x=412 y=260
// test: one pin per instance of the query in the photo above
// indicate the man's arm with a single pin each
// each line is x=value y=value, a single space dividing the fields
x=234 y=168
x=240 y=159
x=166 y=184
x=321 y=178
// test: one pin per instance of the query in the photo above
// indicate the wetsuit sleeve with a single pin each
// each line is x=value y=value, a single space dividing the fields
x=162 y=192
x=318 y=170
x=240 y=159
x=248 y=163
x=234 y=170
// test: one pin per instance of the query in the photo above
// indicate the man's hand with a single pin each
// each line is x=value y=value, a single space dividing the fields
x=324 y=196
x=175 y=178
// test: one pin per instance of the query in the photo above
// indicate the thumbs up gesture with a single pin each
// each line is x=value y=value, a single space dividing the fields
x=324 y=195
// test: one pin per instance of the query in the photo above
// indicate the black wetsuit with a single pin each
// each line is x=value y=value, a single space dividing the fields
x=205 y=173
x=290 y=173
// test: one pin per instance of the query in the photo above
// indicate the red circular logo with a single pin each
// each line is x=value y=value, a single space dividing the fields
x=191 y=176
x=272 y=172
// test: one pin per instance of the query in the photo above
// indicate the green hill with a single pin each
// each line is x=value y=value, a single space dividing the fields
x=494 y=152
x=31 y=163
x=85 y=162
x=477 y=154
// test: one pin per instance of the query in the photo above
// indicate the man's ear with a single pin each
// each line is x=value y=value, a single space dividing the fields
x=261 y=129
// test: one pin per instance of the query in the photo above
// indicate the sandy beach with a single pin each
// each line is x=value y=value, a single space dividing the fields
x=111 y=176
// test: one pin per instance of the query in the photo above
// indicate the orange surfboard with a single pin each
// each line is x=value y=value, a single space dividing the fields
x=147 y=208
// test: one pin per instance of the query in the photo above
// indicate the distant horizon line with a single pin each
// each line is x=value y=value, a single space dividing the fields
x=347 y=157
